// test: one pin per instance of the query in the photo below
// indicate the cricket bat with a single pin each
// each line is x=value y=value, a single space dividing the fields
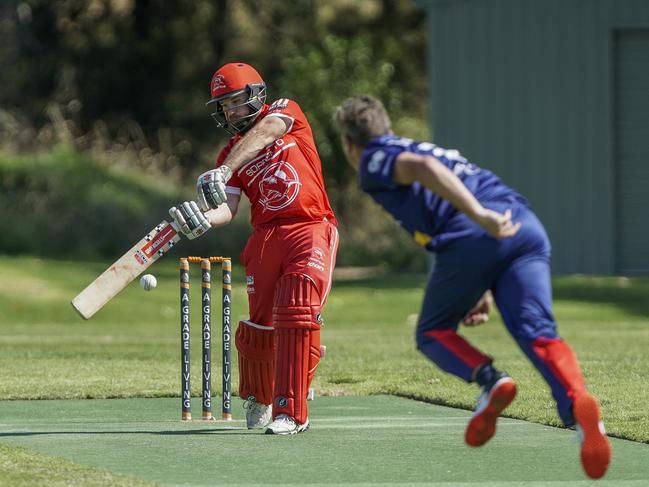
x=120 y=274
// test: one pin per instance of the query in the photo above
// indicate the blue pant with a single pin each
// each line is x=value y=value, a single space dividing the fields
x=517 y=270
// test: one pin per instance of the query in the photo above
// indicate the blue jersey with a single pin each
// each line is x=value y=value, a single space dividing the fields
x=430 y=219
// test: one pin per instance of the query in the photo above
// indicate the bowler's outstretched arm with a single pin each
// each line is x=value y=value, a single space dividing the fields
x=434 y=175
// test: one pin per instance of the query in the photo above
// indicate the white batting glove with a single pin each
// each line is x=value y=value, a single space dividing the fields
x=189 y=219
x=210 y=187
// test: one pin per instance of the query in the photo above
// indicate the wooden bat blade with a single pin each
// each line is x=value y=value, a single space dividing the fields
x=120 y=274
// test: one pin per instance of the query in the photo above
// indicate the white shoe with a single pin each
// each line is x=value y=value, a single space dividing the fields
x=258 y=415
x=285 y=425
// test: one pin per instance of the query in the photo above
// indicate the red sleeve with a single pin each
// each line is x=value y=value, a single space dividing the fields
x=290 y=110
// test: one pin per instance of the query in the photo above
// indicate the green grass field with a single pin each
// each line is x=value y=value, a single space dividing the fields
x=131 y=350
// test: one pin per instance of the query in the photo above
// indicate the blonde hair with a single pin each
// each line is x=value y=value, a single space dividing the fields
x=361 y=118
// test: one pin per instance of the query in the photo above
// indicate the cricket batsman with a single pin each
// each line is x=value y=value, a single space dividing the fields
x=466 y=215
x=290 y=256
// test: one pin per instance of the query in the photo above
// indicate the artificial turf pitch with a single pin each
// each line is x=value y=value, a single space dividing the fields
x=354 y=440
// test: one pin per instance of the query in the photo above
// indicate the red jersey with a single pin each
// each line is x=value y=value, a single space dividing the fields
x=284 y=181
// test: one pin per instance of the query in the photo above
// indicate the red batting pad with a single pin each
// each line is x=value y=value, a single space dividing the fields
x=298 y=355
x=256 y=348
x=297 y=341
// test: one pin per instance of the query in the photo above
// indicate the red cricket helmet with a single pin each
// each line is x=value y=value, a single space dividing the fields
x=229 y=81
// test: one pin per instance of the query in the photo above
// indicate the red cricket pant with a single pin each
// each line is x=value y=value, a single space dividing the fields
x=307 y=248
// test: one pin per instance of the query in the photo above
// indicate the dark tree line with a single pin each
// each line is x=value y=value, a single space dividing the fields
x=116 y=74
x=150 y=61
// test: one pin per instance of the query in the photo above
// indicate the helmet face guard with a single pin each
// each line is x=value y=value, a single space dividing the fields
x=255 y=103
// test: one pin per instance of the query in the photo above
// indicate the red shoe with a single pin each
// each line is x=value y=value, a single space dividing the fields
x=595 y=447
x=492 y=401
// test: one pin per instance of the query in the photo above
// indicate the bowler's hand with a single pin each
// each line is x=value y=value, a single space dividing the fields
x=210 y=187
x=498 y=225
x=191 y=221
x=480 y=312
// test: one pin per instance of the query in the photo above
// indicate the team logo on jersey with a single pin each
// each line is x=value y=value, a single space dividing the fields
x=318 y=253
x=279 y=186
x=316 y=259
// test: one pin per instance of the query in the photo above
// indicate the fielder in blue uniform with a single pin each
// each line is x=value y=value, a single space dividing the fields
x=486 y=240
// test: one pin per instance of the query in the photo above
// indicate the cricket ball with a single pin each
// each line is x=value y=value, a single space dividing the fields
x=148 y=282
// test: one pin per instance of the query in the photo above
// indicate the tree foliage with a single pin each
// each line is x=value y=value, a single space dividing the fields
x=128 y=79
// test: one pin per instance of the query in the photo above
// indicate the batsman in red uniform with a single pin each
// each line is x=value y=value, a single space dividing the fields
x=290 y=256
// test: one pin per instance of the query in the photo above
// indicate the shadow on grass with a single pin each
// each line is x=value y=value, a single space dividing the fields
x=461 y=406
x=208 y=431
